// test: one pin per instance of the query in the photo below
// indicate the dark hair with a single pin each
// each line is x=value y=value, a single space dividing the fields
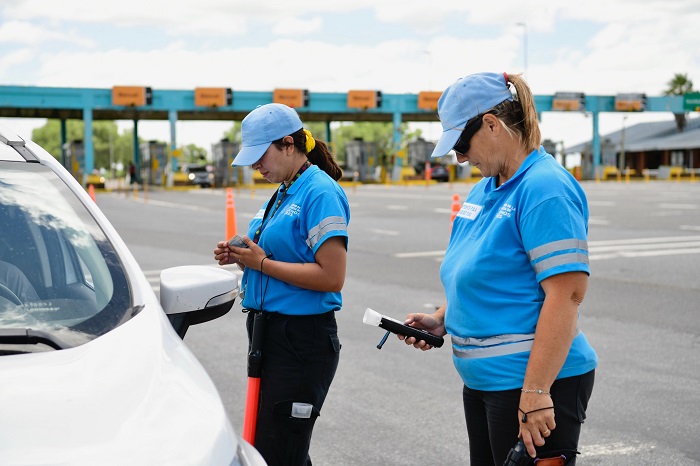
x=319 y=155
x=520 y=115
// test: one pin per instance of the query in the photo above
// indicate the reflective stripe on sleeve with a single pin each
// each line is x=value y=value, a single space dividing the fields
x=327 y=225
x=555 y=246
x=570 y=258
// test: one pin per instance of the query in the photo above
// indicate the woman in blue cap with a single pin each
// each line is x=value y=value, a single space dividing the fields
x=514 y=273
x=294 y=269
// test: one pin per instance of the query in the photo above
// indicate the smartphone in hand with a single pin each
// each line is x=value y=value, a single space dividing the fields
x=237 y=241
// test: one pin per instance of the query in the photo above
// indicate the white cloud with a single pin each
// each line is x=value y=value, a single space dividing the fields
x=27 y=33
x=634 y=46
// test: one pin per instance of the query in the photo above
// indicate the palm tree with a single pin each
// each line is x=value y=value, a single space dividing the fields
x=679 y=85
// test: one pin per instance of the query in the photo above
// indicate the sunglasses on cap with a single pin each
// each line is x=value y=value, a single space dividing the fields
x=462 y=145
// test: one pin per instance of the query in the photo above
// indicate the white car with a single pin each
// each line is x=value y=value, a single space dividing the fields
x=93 y=369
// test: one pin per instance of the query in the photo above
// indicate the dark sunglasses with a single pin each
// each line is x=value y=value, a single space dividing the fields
x=462 y=145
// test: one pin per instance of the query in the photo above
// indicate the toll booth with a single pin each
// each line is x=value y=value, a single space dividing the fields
x=74 y=158
x=223 y=153
x=419 y=152
x=154 y=162
x=608 y=157
x=361 y=160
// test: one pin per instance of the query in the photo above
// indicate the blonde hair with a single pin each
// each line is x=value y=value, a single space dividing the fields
x=519 y=116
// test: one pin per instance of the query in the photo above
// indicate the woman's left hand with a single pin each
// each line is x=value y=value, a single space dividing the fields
x=250 y=257
x=538 y=410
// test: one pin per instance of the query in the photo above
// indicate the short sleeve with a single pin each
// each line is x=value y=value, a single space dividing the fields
x=555 y=237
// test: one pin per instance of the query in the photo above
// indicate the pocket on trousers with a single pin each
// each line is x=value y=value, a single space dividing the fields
x=294 y=423
x=335 y=343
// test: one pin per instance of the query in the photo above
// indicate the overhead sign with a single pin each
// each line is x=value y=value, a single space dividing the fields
x=568 y=101
x=213 y=96
x=691 y=102
x=364 y=99
x=630 y=102
x=294 y=98
x=132 y=96
x=428 y=100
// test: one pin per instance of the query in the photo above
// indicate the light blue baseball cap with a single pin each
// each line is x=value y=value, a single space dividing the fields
x=263 y=125
x=468 y=97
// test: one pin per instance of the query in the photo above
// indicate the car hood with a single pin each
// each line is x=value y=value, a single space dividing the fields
x=135 y=395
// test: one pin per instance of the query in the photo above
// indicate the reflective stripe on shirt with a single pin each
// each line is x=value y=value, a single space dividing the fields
x=328 y=224
x=499 y=345
x=580 y=256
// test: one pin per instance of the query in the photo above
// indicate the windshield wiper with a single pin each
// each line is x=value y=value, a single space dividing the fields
x=28 y=336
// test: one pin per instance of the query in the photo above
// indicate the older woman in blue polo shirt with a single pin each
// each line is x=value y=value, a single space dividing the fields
x=515 y=272
x=294 y=270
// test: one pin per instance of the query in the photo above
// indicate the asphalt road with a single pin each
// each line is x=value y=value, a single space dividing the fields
x=400 y=406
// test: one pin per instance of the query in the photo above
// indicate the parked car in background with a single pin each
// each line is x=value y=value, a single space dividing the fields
x=202 y=175
x=94 y=369
x=438 y=171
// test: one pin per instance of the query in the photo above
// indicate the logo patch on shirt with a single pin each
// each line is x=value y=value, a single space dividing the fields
x=293 y=210
x=469 y=211
x=505 y=211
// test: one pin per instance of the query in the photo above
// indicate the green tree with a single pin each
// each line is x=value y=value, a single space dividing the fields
x=680 y=84
x=233 y=134
x=194 y=154
x=108 y=144
x=380 y=133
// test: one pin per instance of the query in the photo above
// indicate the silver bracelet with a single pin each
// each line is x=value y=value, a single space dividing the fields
x=539 y=392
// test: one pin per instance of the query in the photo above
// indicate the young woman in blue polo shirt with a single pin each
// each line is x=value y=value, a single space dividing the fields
x=514 y=274
x=294 y=270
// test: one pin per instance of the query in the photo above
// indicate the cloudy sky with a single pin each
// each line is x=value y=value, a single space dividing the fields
x=396 y=46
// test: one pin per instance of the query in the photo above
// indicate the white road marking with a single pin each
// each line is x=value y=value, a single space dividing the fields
x=385 y=232
x=612 y=249
x=679 y=206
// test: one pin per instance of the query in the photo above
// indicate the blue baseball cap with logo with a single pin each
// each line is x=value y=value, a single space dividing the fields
x=468 y=97
x=263 y=125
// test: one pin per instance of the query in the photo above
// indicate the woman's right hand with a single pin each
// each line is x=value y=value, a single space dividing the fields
x=432 y=323
x=222 y=254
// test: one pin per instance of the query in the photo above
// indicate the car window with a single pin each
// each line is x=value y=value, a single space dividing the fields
x=58 y=272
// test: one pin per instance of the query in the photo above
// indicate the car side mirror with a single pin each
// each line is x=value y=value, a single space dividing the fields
x=194 y=294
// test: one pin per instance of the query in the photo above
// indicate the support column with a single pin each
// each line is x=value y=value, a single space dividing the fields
x=396 y=169
x=64 y=136
x=89 y=161
x=172 y=116
x=596 y=145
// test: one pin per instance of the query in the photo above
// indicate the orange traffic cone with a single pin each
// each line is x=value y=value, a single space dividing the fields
x=91 y=191
x=230 y=214
x=456 y=207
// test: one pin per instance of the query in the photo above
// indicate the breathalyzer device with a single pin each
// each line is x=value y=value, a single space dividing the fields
x=372 y=317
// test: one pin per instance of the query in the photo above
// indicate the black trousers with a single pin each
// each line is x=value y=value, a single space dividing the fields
x=492 y=420
x=299 y=358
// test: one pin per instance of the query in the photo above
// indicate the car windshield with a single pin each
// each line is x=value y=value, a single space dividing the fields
x=197 y=169
x=59 y=275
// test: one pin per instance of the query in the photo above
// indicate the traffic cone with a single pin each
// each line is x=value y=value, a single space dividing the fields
x=91 y=191
x=456 y=207
x=230 y=214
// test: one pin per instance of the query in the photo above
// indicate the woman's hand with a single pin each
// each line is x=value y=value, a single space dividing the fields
x=250 y=257
x=538 y=412
x=222 y=254
x=432 y=323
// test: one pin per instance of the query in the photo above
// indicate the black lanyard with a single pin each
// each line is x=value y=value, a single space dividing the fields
x=279 y=195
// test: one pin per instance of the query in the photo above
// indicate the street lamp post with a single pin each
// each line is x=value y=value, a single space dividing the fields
x=524 y=26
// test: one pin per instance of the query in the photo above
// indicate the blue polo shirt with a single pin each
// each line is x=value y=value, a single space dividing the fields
x=314 y=209
x=505 y=240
